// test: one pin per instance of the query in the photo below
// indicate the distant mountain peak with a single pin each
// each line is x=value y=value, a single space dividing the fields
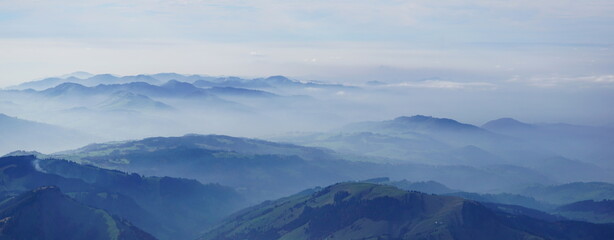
x=129 y=100
x=64 y=88
x=423 y=127
x=173 y=82
x=77 y=74
x=418 y=118
x=278 y=77
x=415 y=118
x=104 y=75
x=168 y=75
x=69 y=85
x=72 y=79
x=280 y=80
x=506 y=123
x=507 y=120
x=177 y=84
x=429 y=122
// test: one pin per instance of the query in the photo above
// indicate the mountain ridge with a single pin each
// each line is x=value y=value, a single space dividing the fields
x=91 y=80
x=46 y=213
x=370 y=211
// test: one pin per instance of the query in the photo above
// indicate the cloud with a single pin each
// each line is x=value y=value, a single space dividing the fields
x=581 y=81
x=441 y=84
x=256 y=54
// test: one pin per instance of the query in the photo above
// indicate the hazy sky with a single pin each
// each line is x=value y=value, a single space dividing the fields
x=335 y=40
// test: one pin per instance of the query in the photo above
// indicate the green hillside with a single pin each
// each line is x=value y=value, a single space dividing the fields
x=46 y=213
x=371 y=211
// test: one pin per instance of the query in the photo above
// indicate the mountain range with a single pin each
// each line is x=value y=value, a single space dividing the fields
x=91 y=80
x=441 y=141
x=131 y=107
x=268 y=169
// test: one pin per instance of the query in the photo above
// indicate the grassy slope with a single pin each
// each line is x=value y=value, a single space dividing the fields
x=366 y=211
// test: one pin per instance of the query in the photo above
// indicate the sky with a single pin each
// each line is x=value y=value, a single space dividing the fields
x=561 y=46
x=333 y=40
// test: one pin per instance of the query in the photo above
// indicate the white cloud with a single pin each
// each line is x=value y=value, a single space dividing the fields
x=580 y=81
x=441 y=84
x=256 y=54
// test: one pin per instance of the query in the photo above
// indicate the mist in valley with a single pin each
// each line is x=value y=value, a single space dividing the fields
x=400 y=126
x=266 y=120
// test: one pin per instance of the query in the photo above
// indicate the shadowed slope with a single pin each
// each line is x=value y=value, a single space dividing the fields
x=46 y=213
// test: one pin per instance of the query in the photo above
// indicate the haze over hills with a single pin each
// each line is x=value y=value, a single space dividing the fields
x=132 y=107
x=207 y=154
x=410 y=135
x=507 y=170
x=135 y=106
x=131 y=101
x=256 y=165
x=431 y=140
x=262 y=169
x=588 y=143
x=571 y=192
x=19 y=134
x=307 y=120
